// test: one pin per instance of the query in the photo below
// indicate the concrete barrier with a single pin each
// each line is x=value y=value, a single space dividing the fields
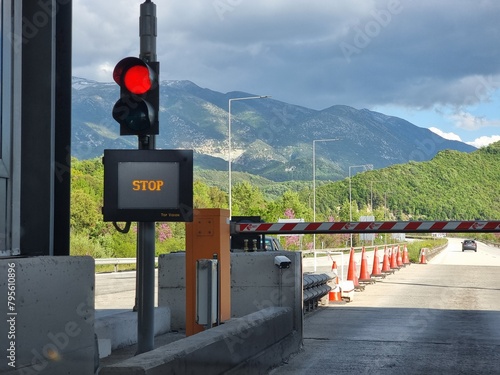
x=120 y=329
x=248 y=345
x=256 y=283
x=172 y=287
x=53 y=315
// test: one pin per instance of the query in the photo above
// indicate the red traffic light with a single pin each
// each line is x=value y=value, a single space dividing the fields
x=137 y=109
x=137 y=80
x=134 y=75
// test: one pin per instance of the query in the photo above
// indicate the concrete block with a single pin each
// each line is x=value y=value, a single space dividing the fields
x=104 y=346
x=172 y=287
x=347 y=289
x=54 y=307
x=121 y=328
x=256 y=283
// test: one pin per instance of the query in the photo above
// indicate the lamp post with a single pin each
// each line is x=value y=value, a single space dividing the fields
x=365 y=166
x=229 y=143
x=371 y=192
x=314 y=181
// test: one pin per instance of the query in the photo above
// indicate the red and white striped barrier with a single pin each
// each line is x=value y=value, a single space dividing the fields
x=368 y=227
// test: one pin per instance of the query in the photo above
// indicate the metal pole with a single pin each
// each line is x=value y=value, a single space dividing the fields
x=314 y=200
x=350 y=203
x=229 y=160
x=146 y=230
x=369 y=166
x=314 y=185
x=229 y=157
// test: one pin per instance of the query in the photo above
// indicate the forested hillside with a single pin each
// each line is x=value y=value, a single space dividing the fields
x=452 y=186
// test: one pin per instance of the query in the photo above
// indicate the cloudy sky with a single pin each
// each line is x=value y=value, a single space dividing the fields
x=433 y=63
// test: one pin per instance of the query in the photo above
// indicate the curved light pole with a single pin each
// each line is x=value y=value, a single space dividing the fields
x=314 y=180
x=365 y=167
x=229 y=143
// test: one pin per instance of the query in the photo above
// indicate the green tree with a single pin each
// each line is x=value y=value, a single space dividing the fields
x=289 y=201
x=247 y=200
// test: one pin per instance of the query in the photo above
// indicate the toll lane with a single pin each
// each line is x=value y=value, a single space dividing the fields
x=453 y=255
x=424 y=319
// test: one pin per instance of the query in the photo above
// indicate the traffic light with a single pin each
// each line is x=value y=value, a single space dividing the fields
x=137 y=109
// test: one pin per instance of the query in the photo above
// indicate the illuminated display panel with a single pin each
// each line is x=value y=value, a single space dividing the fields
x=148 y=185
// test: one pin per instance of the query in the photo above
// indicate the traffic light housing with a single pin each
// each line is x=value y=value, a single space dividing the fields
x=137 y=109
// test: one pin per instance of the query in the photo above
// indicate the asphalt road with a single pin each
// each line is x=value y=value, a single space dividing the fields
x=116 y=291
x=438 y=318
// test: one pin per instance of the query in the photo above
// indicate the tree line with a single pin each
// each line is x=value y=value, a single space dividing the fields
x=452 y=186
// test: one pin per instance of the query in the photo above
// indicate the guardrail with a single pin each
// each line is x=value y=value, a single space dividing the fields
x=116 y=261
x=495 y=244
x=315 y=287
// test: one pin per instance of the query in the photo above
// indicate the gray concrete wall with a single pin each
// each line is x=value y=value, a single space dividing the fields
x=52 y=329
x=172 y=287
x=255 y=285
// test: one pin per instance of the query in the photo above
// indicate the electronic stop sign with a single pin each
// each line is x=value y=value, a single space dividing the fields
x=148 y=185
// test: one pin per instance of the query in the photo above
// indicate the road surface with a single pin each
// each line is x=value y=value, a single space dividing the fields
x=117 y=291
x=438 y=318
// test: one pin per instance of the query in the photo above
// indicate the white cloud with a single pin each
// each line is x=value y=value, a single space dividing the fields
x=450 y=136
x=484 y=141
x=468 y=121
x=411 y=54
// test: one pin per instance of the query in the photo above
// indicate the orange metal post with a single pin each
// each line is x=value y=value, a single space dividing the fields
x=207 y=237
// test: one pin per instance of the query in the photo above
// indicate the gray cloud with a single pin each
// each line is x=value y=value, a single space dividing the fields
x=314 y=53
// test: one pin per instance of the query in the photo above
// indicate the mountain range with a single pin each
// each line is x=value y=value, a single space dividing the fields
x=270 y=138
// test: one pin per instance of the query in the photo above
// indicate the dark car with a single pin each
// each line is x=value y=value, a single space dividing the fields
x=272 y=244
x=469 y=245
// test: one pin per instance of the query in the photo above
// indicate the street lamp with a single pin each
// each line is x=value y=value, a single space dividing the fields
x=365 y=167
x=229 y=142
x=314 y=181
x=371 y=192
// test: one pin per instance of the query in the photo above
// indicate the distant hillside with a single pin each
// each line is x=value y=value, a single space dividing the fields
x=452 y=186
x=271 y=139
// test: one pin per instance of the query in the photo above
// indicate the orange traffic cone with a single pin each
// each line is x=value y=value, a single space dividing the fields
x=394 y=260
x=335 y=272
x=376 y=271
x=422 y=256
x=364 y=276
x=335 y=295
x=386 y=266
x=351 y=272
x=406 y=259
x=399 y=258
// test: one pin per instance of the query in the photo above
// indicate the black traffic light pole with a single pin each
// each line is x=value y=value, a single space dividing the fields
x=146 y=230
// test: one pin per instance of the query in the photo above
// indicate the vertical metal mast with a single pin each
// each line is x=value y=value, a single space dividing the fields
x=146 y=230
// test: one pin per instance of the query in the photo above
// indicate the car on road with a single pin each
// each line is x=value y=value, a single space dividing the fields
x=469 y=245
x=272 y=244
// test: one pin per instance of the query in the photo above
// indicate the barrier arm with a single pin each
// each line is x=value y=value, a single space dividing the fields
x=367 y=227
